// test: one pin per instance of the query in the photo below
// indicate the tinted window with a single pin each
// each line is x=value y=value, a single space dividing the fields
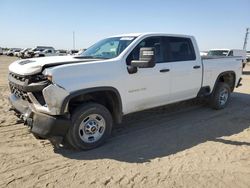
x=148 y=42
x=178 y=49
x=217 y=53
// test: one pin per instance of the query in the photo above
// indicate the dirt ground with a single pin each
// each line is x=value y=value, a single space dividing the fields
x=182 y=145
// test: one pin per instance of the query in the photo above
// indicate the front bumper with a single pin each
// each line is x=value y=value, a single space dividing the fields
x=41 y=124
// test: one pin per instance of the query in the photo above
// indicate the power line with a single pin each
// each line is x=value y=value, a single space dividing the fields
x=73 y=40
x=246 y=38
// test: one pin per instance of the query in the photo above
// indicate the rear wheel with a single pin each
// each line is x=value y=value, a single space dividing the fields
x=220 y=97
x=91 y=126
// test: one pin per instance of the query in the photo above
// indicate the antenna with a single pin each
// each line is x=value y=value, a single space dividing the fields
x=73 y=40
x=245 y=41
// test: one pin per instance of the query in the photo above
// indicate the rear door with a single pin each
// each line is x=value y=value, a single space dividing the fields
x=186 y=69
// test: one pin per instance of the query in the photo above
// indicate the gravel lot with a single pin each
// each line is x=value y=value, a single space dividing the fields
x=181 y=145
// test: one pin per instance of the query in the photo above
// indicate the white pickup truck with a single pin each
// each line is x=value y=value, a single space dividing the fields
x=45 y=52
x=80 y=97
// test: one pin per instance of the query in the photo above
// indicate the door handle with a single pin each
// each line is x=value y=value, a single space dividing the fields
x=164 y=70
x=196 y=66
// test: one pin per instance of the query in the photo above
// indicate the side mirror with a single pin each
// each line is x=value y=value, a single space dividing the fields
x=146 y=60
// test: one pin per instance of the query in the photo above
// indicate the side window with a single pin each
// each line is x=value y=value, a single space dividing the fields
x=179 y=49
x=148 y=42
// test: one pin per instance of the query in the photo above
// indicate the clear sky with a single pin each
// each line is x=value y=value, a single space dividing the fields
x=214 y=23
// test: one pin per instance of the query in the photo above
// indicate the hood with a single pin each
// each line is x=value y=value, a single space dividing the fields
x=36 y=65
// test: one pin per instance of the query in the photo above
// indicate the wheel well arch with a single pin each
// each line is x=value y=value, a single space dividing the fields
x=107 y=96
x=226 y=77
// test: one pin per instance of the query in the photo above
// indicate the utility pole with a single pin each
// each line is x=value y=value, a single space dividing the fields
x=246 y=38
x=73 y=40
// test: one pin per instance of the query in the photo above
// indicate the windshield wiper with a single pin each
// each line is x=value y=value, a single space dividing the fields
x=89 y=57
x=85 y=57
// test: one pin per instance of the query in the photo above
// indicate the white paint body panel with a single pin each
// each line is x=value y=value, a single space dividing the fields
x=145 y=89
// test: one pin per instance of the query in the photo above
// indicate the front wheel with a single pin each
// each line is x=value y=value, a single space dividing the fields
x=220 y=97
x=91 y=126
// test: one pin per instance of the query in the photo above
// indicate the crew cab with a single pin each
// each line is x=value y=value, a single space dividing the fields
x=81 y=97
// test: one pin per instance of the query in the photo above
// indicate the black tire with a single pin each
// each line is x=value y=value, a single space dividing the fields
x=79 y=115
x=216 y=99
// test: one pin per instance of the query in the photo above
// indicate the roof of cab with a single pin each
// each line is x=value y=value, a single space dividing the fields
x=150 y=33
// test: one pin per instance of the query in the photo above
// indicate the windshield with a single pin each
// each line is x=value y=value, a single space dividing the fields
x=108 y=48
x=218 y=53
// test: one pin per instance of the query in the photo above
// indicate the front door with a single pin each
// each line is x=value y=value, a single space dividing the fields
x=149 y=87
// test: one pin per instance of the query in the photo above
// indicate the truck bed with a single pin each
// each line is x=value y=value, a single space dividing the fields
x=213 y=66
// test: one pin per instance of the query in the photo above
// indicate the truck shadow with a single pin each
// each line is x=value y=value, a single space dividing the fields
x=168 y=130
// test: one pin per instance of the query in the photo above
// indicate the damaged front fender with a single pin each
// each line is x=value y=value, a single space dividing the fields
x=53 y=96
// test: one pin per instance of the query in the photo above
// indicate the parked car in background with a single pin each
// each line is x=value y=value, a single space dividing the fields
x=1 y=51
x=61 y=52
x=202 y=53
x=45 y=52
x=73 y=52
x=16 y=52
x=81 y=97
x=31 y=53
x=248 y=55
x=5 y=51
x=229 y=52
x=81 y=51
x=22 y=52
x=218 y=52
x=12 y=51
x=239 y=53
